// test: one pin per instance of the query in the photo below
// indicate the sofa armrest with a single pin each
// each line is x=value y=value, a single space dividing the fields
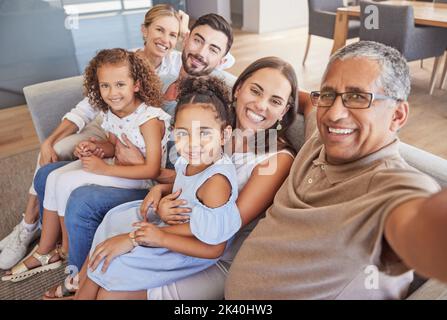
x=426 y=162
x=49 y=101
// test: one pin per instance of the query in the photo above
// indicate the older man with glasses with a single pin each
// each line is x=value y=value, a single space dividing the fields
x=353 y=218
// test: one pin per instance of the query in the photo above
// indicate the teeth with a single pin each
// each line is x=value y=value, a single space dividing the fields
x=162 y=46
x=341 y=131
x=254 y=116
x=115 y=100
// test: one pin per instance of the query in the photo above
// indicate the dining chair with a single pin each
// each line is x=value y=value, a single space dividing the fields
x=396 y=28
x=322 y=15
x=444 y=72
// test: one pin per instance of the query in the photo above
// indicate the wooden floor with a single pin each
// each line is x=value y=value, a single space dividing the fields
x=426 y=129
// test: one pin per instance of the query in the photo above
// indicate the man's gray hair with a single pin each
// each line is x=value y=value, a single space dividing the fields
x=395 y=74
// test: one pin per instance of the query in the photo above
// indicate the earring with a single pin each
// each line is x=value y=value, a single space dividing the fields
x=233 y=103
x=279 y=126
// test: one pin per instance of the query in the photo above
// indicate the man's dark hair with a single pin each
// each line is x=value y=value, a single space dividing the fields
x=218 y=23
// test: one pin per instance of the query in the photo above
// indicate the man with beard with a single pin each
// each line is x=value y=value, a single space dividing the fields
x=205 y=49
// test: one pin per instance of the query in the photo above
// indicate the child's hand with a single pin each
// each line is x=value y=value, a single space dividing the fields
x=152 y=199
x=109 y=250
x=84 y=149
x=148 y=235
x=169 y=210
x=94 y=164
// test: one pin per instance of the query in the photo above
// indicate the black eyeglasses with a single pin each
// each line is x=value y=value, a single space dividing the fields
x=351 y=100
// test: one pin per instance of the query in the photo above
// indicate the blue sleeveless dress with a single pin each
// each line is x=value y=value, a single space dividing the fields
x=146 y=267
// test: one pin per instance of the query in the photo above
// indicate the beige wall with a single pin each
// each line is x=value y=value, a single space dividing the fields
x=272 y=15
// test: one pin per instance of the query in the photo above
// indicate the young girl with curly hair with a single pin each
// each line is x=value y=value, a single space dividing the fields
x=124 y=259
x=128 y=93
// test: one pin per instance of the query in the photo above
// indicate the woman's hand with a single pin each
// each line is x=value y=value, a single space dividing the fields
x=148 y=235
x=184 y=24
x=169 y=210
x=127 y=154
x=47 y=153
x=151 y=199
x=109 y=250
x=94 y=164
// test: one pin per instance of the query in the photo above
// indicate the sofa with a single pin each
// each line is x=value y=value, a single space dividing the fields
x=49 y=101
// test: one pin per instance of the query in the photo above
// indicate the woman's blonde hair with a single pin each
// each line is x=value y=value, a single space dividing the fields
x=157 y=11
x=139 y=70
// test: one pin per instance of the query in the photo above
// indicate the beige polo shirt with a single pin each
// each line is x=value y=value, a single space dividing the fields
x=323 y=237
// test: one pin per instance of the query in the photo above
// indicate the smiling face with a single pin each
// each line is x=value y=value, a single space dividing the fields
x=350 y=134
x=198 y=134
x=161 y=35
x=261 y=100
x=204 y=50
x=117 y=88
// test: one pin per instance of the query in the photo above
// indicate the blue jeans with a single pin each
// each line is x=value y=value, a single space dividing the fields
x=40 y=180
x=85 y=210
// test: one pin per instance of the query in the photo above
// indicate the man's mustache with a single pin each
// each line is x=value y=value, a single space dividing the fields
x=198 y=57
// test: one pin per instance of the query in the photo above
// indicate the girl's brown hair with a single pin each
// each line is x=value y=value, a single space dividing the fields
x=287 y=71
x=208 y=90
x=157 y=11
x=150 y=85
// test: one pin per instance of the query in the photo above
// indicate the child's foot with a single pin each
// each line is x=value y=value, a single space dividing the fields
x=35 y=264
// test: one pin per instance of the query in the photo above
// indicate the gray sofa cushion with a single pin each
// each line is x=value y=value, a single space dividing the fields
x=49 y=101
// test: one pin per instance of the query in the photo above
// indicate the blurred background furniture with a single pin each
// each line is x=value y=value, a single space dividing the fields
x=32 y=51
x=322 y=14
x=444 y=72
x=396 y=28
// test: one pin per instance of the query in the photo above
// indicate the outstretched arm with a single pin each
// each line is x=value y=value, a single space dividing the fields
x=416 y=230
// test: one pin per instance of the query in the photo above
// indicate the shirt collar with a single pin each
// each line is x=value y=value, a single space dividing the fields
x=338 y=173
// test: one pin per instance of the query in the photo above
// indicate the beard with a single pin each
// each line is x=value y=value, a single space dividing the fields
x=193 y=71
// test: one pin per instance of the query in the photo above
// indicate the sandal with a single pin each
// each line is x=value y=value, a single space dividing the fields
x=61 y=292
x=21 y=272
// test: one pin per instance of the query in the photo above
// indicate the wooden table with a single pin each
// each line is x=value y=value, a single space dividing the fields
x=425 y=13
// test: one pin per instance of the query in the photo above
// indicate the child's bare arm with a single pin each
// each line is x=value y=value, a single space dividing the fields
x=152 y=236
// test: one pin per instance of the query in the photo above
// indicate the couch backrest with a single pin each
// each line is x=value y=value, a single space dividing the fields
x=49 y=101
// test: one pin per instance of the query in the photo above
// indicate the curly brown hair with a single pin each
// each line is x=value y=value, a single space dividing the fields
x=207 y=90
x=140 y=71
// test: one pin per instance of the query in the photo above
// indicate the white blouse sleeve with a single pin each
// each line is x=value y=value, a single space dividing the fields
x=82 y=114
